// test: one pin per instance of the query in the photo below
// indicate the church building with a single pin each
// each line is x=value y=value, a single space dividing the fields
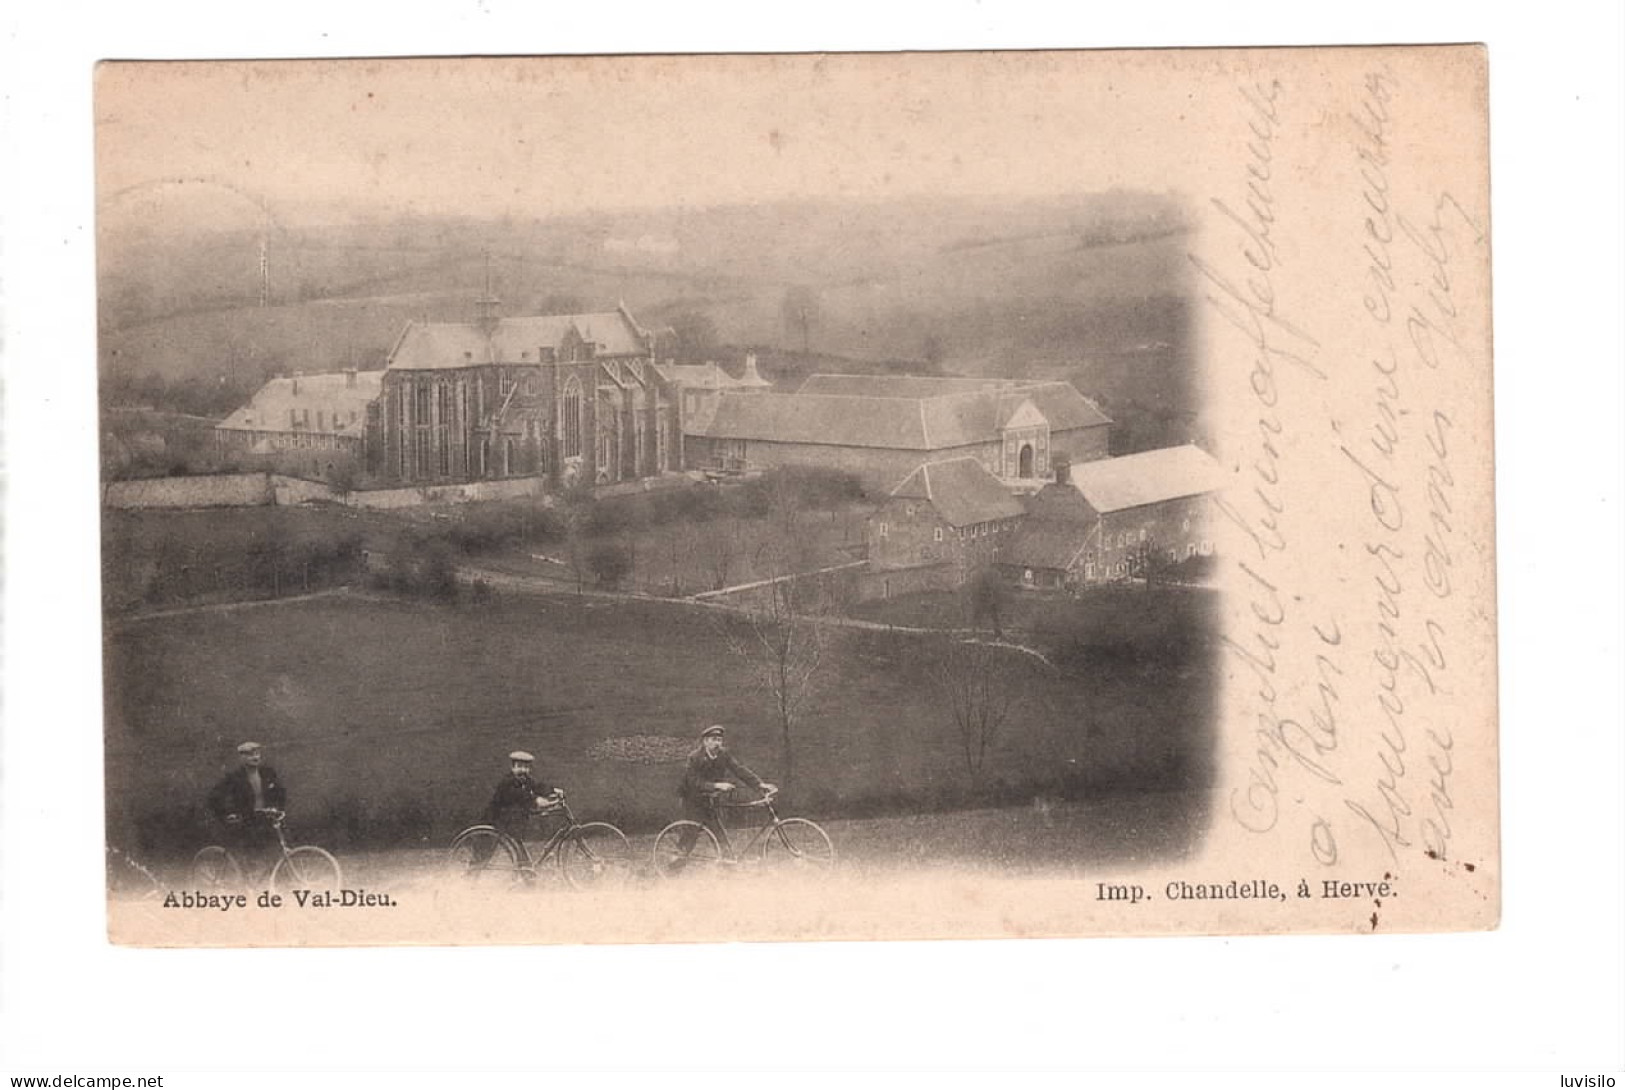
x=569 y=397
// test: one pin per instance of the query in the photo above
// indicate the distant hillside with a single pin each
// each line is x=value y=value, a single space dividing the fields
x=1092 y=287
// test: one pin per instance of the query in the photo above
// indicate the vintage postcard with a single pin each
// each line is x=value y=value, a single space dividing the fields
x=712 y=498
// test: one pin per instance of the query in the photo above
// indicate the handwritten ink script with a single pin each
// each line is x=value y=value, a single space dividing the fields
x=1349 y=695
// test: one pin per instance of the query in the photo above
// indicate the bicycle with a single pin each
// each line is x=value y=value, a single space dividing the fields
x=589 y=854
x=303 y=867
x=797 y=842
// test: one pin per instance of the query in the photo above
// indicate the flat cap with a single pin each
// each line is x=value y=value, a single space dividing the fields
x=521 y=755
x=250 y=747
x=715 y=730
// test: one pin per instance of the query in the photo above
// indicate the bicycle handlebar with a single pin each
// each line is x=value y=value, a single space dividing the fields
x=767 y=798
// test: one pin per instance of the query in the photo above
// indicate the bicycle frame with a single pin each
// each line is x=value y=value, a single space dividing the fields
x=570 y=825
x=285 y=856
x=757 y=838
x=585 y=852
x=284 y=852
x=797 y=840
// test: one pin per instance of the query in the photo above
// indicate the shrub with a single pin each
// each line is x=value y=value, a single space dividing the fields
x=610 y=562
x=436 y=573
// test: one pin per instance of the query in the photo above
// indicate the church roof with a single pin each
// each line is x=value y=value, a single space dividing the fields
x=433 y=346
x=962 y=491
x=329 y=393
x=1152 y=476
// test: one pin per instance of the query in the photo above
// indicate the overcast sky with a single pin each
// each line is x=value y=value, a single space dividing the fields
x=543 y=137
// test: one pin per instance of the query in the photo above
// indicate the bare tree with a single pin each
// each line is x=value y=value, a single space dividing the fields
x=982 y=686
x=694 y=336
x=682 y=541
x=784 y=641
x=987 y=596
x=800 y=312
x=1149 y=562
x=721 y=550
x=577 y=512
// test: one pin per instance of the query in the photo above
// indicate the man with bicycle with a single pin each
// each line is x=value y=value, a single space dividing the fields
x=247 y=802
x=711 y=772
x=516 y=799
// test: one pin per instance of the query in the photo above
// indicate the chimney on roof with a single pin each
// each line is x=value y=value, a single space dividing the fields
x=751 y=374
x=1062 y=465
x=349 y=378
x=297 y=375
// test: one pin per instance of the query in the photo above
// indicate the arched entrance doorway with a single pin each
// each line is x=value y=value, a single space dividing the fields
x=1024 y=462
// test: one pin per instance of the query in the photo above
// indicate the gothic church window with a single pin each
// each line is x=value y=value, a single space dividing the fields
x=570 y=424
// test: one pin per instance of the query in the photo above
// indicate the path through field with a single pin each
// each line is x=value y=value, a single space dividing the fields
x=1061 y=840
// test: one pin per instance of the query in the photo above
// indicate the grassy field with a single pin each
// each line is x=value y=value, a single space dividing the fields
x=1108 y=625
x=390 y=719
x=685 y=557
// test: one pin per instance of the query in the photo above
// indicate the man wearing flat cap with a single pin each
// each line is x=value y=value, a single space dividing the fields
x=710 y=773
x=517 y=797
x=246 y=800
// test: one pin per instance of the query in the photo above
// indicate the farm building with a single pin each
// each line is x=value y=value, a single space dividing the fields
x=1108 y=519
x=953 y=512
x=703 y=383
x=564 y=396
x=881 y=428
x=303 y=425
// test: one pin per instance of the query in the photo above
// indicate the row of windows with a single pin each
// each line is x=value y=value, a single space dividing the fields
x=1132 y=566
x=300 y=418
x=980 y=529
x=1124 y=538
x=310 y=442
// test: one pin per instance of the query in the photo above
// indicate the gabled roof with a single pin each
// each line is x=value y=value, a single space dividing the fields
x=1053 y=545
x=695 y=376
x=956 y=412
x=812 y=418
x=1152 y=476
x=1060 y=503
x=1025 y=415
x=710 y=376
x=329 y=393
x=962 y=491
x=433 y=346
x=939 y=422
x=908 y=386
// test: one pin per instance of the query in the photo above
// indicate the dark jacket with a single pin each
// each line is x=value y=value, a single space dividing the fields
x=515 y=800
x=235 y=795
x=703 y=771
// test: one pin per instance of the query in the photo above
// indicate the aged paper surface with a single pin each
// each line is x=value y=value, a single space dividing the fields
x=1262 y=704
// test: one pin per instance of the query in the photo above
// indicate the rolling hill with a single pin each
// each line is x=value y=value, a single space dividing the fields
x=1092 y=288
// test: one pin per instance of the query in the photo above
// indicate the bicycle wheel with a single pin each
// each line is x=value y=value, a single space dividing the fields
x=306 y=867
x=595 y=854
x=215 y=869
x=672 y=860
x=483 y=855
x=799 y=843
